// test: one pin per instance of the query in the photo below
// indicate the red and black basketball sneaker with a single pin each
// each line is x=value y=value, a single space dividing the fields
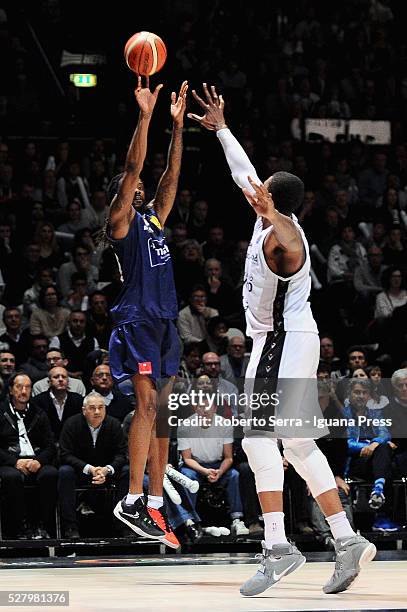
x=160 y=518
x=137 y=517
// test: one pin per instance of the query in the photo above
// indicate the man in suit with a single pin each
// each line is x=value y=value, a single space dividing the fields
x=117 y=404
x=58 y=403
x=93 y=452
x=27 y=454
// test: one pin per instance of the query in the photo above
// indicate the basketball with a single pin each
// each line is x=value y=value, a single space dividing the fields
x=145 y=53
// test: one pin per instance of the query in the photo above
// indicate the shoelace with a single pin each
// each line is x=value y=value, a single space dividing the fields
x=262 y=565
x=166 y=521
x=263 y=557
x=162 y=520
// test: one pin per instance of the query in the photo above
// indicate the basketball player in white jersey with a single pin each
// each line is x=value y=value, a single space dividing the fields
x=285 y=345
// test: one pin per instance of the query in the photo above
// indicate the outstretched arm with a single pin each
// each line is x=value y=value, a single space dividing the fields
x=167 y=187
x=121 y=209
x=214 y=119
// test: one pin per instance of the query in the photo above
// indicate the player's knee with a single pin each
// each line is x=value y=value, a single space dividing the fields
x=311 y=464
x=147 y=405
x=261 y=452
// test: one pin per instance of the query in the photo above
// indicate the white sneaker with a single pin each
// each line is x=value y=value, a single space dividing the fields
x=213 y=531
x=239 y=528
x=224 y=531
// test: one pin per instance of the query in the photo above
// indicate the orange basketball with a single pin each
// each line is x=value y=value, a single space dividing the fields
x=145 y=53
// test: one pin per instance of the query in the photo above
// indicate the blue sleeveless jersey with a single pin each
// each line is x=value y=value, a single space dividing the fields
x=145 y=263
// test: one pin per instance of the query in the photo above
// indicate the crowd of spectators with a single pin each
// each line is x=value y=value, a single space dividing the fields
x=57 y=285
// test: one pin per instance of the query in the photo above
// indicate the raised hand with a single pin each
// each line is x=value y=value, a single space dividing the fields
x=178 y=106
x=146 y=99
x=213 y=119
x=261 y=199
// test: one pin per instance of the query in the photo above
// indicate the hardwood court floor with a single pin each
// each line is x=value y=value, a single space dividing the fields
x=209 y=588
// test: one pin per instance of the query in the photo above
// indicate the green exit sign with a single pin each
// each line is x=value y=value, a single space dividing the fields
x=83 y=80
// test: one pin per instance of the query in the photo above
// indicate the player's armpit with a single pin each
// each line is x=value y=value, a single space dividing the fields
x=283 y=262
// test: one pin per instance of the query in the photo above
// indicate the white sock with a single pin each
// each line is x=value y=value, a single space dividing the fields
x=155 y=501
x=274 y=532
x=340 y=525
x=133 y=497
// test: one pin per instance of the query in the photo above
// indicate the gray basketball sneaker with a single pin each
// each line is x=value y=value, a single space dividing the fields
x=351 y=554
x=281 y=560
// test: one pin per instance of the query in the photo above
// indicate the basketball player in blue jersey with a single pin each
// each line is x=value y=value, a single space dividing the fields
x=285 y=345
x=144 y=344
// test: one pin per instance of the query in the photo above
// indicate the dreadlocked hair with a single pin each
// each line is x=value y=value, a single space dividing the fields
x=101 y=237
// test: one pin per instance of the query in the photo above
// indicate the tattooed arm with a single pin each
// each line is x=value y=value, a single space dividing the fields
x=121 y=210
x=167 y=187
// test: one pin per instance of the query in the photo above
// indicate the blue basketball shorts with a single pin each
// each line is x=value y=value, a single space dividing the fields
x=151 y=348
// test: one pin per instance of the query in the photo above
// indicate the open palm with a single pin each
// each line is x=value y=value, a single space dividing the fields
x=178 y=105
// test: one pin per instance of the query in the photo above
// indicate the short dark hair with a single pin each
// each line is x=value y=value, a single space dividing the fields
x=356 y=347
x=213 y=324
x=77 y=311
x=287 y=191
x=8 y=309
x=198 y=287
x=191 y=347
x=96 y=292
x=56 y=350
x=38 y=337
x=324 y=367
x=85 y=247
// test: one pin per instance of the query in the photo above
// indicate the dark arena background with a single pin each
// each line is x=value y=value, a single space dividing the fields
x=317 y=89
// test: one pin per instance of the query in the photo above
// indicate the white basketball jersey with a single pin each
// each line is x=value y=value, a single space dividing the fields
x=271 y=301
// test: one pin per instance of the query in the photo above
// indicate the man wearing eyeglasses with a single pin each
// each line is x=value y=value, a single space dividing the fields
x=56 y=358
x=211 y=366
x=93 y=452
x=117 y=404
